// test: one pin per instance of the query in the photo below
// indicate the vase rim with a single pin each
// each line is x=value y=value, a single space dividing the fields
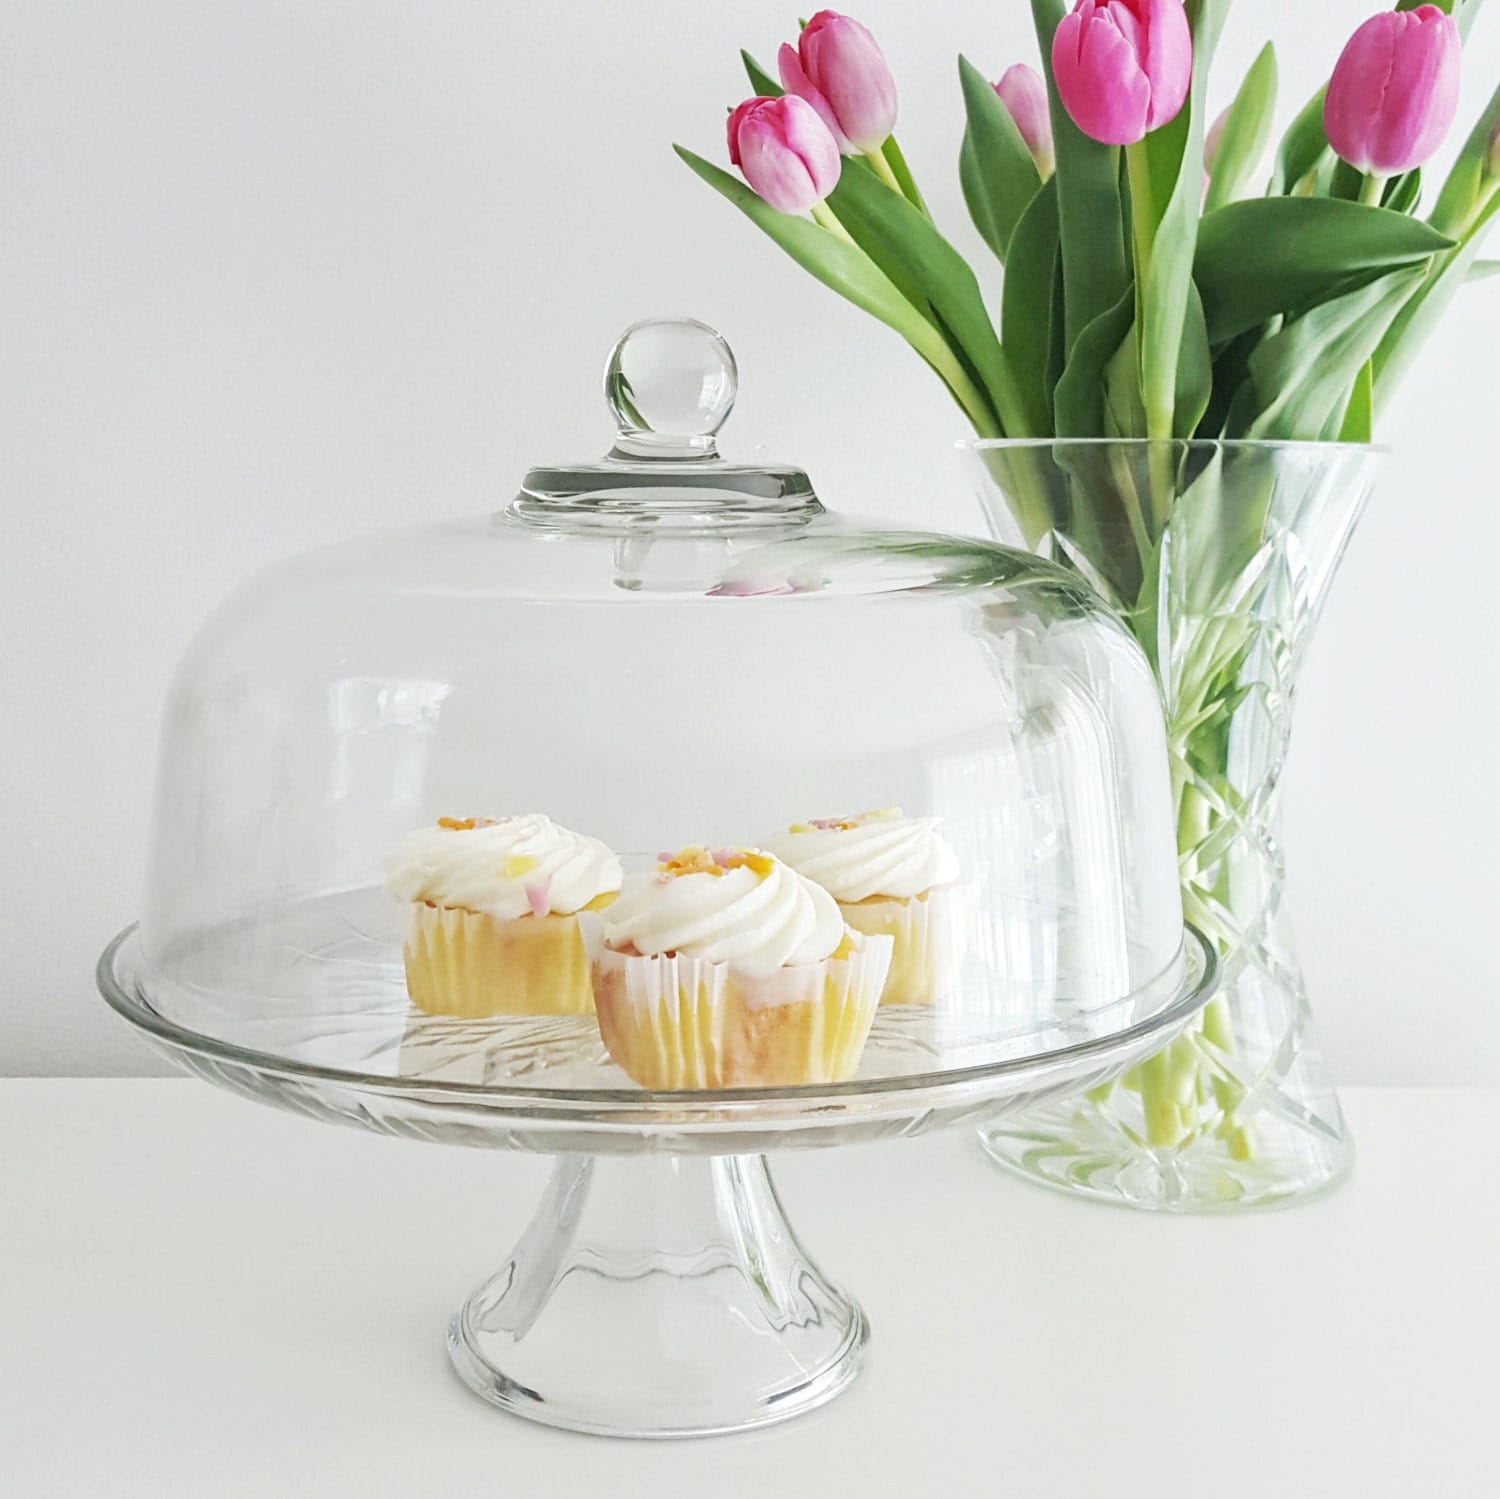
x=1291 y=445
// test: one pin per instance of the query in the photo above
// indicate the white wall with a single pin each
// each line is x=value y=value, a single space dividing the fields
x=273 y=273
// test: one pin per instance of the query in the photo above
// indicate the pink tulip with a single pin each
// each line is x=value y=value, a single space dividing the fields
x=1123 y=67
x=1394 y=92
x=785 y=151
x=839 y=69
x=1024 y=94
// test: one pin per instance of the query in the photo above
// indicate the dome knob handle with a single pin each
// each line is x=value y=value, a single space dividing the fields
x=670 y=384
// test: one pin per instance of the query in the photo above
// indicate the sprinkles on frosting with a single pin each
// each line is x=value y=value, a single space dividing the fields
x=846 y=824
x=538 y=892
x=696 y=859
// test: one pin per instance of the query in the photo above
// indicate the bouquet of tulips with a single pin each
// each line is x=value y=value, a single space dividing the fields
x=1164 y=291
x=1147 y=291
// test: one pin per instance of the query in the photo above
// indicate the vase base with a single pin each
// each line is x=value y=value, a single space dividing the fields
x=1087 y=1154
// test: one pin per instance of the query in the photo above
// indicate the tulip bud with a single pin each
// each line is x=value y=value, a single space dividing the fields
x=839 y=69
x=1024 y=95
x=1394 y=92
x=1123 y=67
x=785 y=151
x=1213 y=140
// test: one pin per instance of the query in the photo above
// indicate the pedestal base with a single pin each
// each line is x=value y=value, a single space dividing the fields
x=658 y=1296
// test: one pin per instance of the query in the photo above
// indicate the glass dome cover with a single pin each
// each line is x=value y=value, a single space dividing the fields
x=659 y=650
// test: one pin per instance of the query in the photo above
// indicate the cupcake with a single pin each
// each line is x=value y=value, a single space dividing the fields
x=491 y=914
x=887 y=873
x=724 y=969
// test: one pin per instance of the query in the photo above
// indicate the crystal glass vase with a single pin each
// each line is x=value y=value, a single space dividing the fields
x=1219 y=556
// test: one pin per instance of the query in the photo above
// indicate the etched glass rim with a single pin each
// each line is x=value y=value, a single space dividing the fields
x=1191 y=987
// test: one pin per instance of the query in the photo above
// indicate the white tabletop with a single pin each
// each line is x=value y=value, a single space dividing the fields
x=201 y=1297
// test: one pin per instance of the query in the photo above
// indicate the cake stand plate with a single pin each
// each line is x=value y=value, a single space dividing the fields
x=659 y=1290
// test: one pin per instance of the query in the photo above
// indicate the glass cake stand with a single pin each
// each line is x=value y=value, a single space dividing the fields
x=659 y=1290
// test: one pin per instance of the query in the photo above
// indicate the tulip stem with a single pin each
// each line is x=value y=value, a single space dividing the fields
x=1158 y=404
x=1138 y=169
x=830 y=221
x=1371 y=188
x=882 y=169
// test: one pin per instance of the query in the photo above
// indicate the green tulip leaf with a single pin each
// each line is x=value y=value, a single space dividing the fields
x=839 y=265
x=1089 y=211
x=1428 y=302
x=1195 y=370
x=1403 y=193
x=845 y=269
x=971 y=178
x=1304 y=148
x=1482 y=270
x=1359 y=419
x=1264 y=257
x=902 y=173
x=1080 y=398
x=998 y=172
x=761 y=81
x=1231 y=371
x=1247 y=128
x=1302 y=379
x=1027 y=327
x=1124 y=414
x=932 y=276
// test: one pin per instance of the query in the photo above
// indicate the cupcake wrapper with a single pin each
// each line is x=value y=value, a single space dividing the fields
x=925 y=943
x=460 y=963
x=677 y=1022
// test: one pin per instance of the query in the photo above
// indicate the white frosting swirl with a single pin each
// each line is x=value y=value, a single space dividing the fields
x=755 y=921
x=506 y=869
x=879 y=853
